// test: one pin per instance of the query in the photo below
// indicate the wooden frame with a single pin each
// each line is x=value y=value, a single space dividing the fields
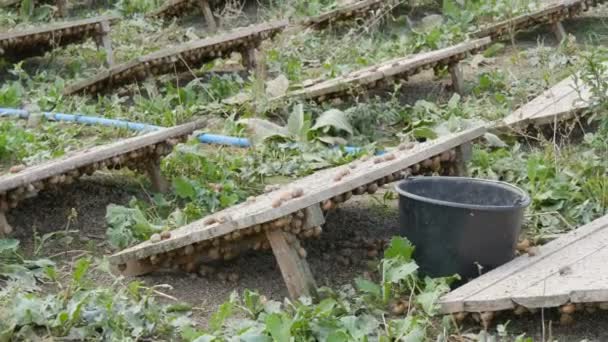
x=396 y=68
x=569 y=269
x=125 y=153
x=262 y=211
x=208 y=14
x=179 y=58
x=18 y=45
x=457 y=78
x=552 y=14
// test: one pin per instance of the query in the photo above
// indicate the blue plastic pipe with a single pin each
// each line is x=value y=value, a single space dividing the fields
x=204 y=138
x=82 y=119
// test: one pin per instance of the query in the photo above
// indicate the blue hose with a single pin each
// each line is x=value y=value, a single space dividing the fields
x=82 y=119
x=204 y=138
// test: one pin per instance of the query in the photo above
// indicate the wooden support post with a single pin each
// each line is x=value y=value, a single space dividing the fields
x=457 y=78
x=314 y=216
x=62 y=8
x=559 y=31
x=106 y=42
x=248 y=57
x=463 y=155
x=159 y=183
x=209 y=19
x=295 y=269
x=5 y=228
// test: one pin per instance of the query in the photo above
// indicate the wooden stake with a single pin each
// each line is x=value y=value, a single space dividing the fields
x=295 y=270
x=62 y=7
x=457 y=79
x=159 y=183
x=463 y=154
x=106 y=41
x=314 y=216
x=5 y=228
x=249 y=59
x=209 y=19
x=559 y=31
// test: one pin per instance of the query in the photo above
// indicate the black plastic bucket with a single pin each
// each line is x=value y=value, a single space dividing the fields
x=462 y=226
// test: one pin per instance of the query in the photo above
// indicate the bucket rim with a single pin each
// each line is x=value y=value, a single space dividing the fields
x=524 y=203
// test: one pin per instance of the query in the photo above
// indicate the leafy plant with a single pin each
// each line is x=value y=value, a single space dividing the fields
x=344 y=315
x=326 y=128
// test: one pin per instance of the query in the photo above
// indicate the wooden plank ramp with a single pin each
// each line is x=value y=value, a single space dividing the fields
x=20 y=44
x=403 y=67
x=550 y=13
x=179 y=58
x=141 y=153
x=290 y=210
x=561 y=102
x=569 y=269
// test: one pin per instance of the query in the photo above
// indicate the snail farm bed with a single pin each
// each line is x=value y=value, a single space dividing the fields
x=141 y=153
x=19 y=45
x=283 y=216
x=183 y=57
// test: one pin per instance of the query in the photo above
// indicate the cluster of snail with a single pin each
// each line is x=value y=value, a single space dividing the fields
x=566 y=12
x=171 y=63
x=195 y=257
x=566 y=313
x=296 y=225
x=339 y=96
x=67 y=34
x=136 y=160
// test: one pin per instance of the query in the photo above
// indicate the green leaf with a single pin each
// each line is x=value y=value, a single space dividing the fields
x=399 y=247
x=424 y=133
x=219 y=317
x=450 y=9
x=367 y=286
x=184 y=188
x=337 y=336
x=395 y=270
x=295 y=123
x=493 y=140
x=333 y=118
x=80 y=269
x=493 y=50
x=278 y=327
x=260 y=130
x=9 y=246
x=360 y=326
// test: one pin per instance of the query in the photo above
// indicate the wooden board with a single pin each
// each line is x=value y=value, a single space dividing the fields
x=405 y=66
x=560 y=102
x=350 y=11
x=179 y=58
x=317 y=188
x=83 y=158
x=550 y=12
x=16 y=45
x=569 y=269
